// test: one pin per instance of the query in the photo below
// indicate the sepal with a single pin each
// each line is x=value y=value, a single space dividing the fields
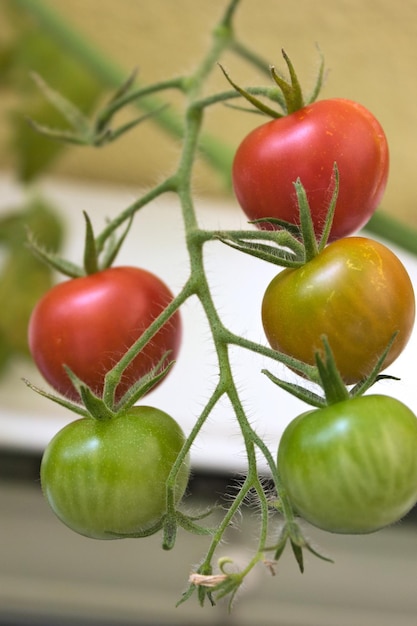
x=290 y=98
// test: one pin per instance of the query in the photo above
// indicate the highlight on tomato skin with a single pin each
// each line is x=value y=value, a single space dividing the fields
x=107 y=478
x=356 y=292
x=305 y=145
x=89 y=323
x=351 y=467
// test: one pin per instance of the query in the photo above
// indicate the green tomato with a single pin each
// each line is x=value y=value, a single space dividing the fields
x=106 y=478
x=351 y=467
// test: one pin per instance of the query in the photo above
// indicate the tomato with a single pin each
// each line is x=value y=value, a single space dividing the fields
x=351 y=467
x=356 y=292
x=88 y=323
x=105 y=478
x=305 y=145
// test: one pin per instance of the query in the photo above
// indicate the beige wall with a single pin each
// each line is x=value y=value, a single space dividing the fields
x=370 y=48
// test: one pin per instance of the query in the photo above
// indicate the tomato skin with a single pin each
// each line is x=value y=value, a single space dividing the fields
x=352 y=466
x=305 y=145
x=107 y=477
x=356 y=292
x=88 y=323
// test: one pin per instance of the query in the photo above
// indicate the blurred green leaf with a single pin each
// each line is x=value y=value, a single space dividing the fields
x=32 y=51
x=22 y=283
x=23 y=278
x=39 y=218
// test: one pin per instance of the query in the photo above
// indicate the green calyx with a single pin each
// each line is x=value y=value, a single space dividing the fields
x=99 y=253
x=290 y=95
x=330 y=381
x=288 y=245
x=105 y=407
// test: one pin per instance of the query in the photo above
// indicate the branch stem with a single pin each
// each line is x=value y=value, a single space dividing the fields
x=190 y=128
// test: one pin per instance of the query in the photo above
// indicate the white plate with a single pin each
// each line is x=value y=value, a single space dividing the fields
x=28 y=421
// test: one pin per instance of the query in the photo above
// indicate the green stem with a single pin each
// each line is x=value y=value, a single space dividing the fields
x=134 y=95
x=114 y=375
x=286 y=507
x=263 y=535
x=167 y=542
x=128 y=213
x=308 y=371
x=195 y=239
x=190 y=128
x=225 y=523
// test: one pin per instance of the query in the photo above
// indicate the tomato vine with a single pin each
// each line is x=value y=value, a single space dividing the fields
x=286 y=246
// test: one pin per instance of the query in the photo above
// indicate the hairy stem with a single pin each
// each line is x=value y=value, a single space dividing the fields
x=190 y=128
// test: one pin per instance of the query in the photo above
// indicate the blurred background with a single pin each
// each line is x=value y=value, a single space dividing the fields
x=369 y=49
x=86 y=48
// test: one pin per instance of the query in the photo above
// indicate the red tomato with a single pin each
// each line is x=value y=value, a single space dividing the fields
x=88 y=323
x=305 y=145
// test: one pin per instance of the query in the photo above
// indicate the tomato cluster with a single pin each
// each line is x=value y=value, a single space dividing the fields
x=350 y=466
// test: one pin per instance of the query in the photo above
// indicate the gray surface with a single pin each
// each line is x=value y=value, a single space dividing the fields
x=49 y=573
